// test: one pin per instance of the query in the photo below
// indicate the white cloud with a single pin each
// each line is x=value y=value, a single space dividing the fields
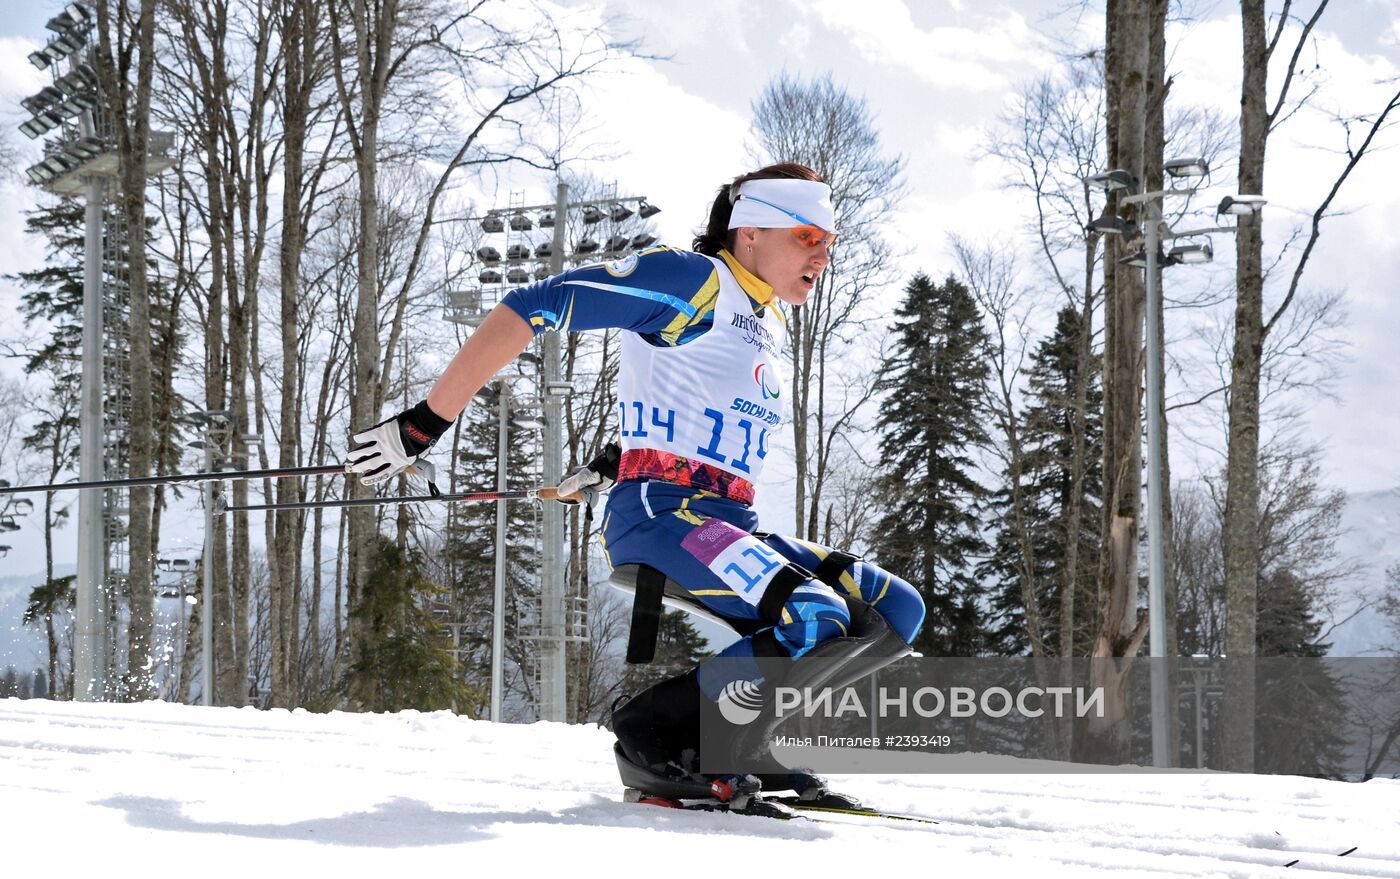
x=883 y=32
x=797 y=40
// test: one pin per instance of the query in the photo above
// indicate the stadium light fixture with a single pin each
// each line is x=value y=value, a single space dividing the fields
x=1189 y=254
x=1112 y=181
x=1109 y=225
x=1187 y=167
x=1241 y=205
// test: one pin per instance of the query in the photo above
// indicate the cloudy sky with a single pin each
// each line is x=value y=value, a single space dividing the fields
x=936 y=74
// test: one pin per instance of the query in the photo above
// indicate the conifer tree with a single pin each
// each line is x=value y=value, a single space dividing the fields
x=53 y=296
x=407 y=663
x=470 y=543
x=931 y=422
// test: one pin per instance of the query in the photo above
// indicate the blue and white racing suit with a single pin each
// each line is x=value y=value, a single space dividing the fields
x=699 y=390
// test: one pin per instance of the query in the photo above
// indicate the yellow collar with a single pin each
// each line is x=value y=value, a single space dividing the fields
x=759 y=291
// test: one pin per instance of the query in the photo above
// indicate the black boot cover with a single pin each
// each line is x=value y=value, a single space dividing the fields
x=887 y=647
x=659 y=728
x=747 y=747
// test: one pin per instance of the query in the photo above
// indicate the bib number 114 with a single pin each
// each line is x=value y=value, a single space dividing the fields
x=712 y=451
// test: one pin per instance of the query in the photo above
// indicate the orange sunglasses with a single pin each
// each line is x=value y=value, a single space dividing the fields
x=809 y=233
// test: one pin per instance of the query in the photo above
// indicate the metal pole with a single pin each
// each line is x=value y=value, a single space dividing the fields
x=89 y=648
x=498 y=620
x=553 y=696
x=206 y=617
x=1156 y=551
x=179 y=478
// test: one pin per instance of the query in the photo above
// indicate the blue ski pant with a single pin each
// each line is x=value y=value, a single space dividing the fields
x=707 y=544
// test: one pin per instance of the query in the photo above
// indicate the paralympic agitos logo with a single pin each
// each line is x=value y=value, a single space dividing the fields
x=760 y=377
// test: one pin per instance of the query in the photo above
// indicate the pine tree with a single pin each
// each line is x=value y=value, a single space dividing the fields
x=54 y=598
x=1047 y=479
x=470 y=544
x=407 y=662
x=931 y=421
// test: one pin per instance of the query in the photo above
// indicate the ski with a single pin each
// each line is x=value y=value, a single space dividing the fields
x=1339 y=855
x=863 y=812
x=752 y=807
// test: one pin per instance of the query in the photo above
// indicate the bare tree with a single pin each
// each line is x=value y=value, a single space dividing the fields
x=1389 y=605
x=989 y=272
x=1299 y=526
x=823 y=126
x=1259 y=117
x=9 y=156
x=1052 y=136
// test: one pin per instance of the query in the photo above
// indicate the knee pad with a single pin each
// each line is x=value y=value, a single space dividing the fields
x=816 y=614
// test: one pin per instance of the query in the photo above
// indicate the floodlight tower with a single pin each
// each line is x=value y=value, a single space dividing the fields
x=80 y=163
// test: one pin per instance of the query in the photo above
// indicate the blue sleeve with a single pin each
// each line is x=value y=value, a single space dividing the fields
x=657 y=293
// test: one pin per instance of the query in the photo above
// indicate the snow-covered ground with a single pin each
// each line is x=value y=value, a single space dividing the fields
x=138 y=790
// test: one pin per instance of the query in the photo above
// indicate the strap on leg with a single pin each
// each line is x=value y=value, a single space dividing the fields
x=646 y=615
x=830 y=569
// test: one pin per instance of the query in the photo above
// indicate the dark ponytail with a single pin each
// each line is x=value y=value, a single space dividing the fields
x=717 y=234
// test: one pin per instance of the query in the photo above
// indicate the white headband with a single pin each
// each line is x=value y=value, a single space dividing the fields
x=772 y=204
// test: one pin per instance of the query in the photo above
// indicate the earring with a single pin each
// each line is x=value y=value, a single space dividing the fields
x=750 y=248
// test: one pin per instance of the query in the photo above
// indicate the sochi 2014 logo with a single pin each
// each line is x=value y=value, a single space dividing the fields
x=760 y=377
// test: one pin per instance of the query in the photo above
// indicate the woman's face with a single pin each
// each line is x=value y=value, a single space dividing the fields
x=791 y=267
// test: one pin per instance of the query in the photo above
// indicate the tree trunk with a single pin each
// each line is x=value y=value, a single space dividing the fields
x=298 y=36
x=1079 y=459
x=1129 y=27
x=1120 y=632
x=1242 y=458
x=373 y=28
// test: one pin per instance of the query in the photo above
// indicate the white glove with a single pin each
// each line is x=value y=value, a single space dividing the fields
x=592 y=479
x=395 y=444
x=586 y=484
x=378 y=454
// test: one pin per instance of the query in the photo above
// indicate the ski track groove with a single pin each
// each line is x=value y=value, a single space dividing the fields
x=1186 y=848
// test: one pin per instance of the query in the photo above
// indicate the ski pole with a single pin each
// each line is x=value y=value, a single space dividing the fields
x=216 y=476
x=526 y=494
